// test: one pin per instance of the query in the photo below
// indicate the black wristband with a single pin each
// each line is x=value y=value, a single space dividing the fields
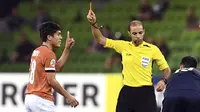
x=165 y=80
x=93 y=24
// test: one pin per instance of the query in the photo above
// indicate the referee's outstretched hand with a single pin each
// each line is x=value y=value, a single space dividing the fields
x=160 y=86
x=91 y=17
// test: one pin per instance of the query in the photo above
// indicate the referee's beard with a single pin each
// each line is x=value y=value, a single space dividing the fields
x=137 y=42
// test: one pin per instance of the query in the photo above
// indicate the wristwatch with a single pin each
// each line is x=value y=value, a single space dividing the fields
x=165 y=80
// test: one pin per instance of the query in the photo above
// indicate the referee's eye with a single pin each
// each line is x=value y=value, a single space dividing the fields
x=135 y=33
x=141 y=32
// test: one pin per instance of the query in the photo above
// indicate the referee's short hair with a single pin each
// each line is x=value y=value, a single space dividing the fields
x=189 y=61
x=134 y=23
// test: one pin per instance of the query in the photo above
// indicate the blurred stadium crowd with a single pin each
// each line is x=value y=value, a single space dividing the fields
x=172 y=25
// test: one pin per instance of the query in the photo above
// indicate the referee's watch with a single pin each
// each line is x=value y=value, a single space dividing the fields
x=165 y=80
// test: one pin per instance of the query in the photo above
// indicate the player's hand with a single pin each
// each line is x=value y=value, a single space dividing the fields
x=91 y=17
x=72 y=101
x=69 y=41
x=160 y=86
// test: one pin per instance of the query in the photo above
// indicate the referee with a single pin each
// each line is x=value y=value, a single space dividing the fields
x=182 y=93
x=137 y=94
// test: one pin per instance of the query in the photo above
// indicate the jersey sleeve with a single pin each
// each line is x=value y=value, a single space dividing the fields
x=50 y=62
x=159 y=59
x=117 y=45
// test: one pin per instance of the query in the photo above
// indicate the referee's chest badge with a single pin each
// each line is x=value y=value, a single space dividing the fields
x=145 y=61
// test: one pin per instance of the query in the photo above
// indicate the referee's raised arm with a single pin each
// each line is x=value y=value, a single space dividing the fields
x=95 y=29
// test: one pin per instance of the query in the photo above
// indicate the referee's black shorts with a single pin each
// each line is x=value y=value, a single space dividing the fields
x=136 y=99
x=180 y=104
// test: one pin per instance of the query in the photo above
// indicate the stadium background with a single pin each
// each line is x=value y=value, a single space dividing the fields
x=71 y=15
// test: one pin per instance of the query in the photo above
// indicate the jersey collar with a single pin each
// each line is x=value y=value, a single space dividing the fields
x=138 y=45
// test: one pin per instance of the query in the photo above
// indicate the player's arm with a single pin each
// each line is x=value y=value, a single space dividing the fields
x=55 y=84
x=50 y=69
x=65 y=54
x=95 y=30
x=58 y=88
x=62 y=60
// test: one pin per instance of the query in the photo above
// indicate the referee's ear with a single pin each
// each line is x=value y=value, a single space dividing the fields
x=129 y=33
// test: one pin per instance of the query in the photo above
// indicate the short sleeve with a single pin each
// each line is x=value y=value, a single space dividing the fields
x=117 y=45
x=50 y=62
x=159 y=59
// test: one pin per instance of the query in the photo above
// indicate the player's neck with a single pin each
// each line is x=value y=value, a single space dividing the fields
x=49 y=46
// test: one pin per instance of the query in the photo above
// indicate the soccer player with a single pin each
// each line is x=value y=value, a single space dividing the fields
x=182 y=93
x=138 y=56
x=43 y=67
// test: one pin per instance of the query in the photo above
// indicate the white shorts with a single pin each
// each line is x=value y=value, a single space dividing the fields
x=35 y=103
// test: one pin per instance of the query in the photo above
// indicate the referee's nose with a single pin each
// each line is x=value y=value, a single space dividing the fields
x=138 y=36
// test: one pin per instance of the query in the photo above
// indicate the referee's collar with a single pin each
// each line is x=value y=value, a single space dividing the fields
x=143 y=42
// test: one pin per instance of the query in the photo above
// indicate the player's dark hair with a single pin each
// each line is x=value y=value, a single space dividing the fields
x=189 y=61
x=48 y=28
x=134 y=23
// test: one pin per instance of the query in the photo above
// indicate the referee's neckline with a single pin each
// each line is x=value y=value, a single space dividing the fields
x=132 y=43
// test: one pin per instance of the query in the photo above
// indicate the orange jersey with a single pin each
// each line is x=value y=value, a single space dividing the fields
x=43 y=60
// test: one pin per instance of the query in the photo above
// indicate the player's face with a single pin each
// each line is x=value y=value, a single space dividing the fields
x=137 y=33
x=57 y=38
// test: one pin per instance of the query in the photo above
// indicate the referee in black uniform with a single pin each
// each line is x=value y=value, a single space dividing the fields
x=182 y=93
x=138 y=56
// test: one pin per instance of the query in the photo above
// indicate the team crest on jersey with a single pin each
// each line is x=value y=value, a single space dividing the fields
x=53 y=62
x=145 y=61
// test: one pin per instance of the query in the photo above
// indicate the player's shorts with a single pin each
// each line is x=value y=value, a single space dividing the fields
x=136 y=99
x=35 y=103
x=180 y=104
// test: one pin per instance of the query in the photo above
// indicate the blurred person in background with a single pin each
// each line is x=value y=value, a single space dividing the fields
x=4 y=27
x=145 y=11
x=43 y=67
x=94 y=46
x=192 y=21
x=114 y=59
x=78 y=18
x=6 y=7
x=162 y=45
x=23 y=50
x=42 y=16
x=14 y=21
x=150 y=40
x=137 y=94
x=160 y=8
x=182 y=92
